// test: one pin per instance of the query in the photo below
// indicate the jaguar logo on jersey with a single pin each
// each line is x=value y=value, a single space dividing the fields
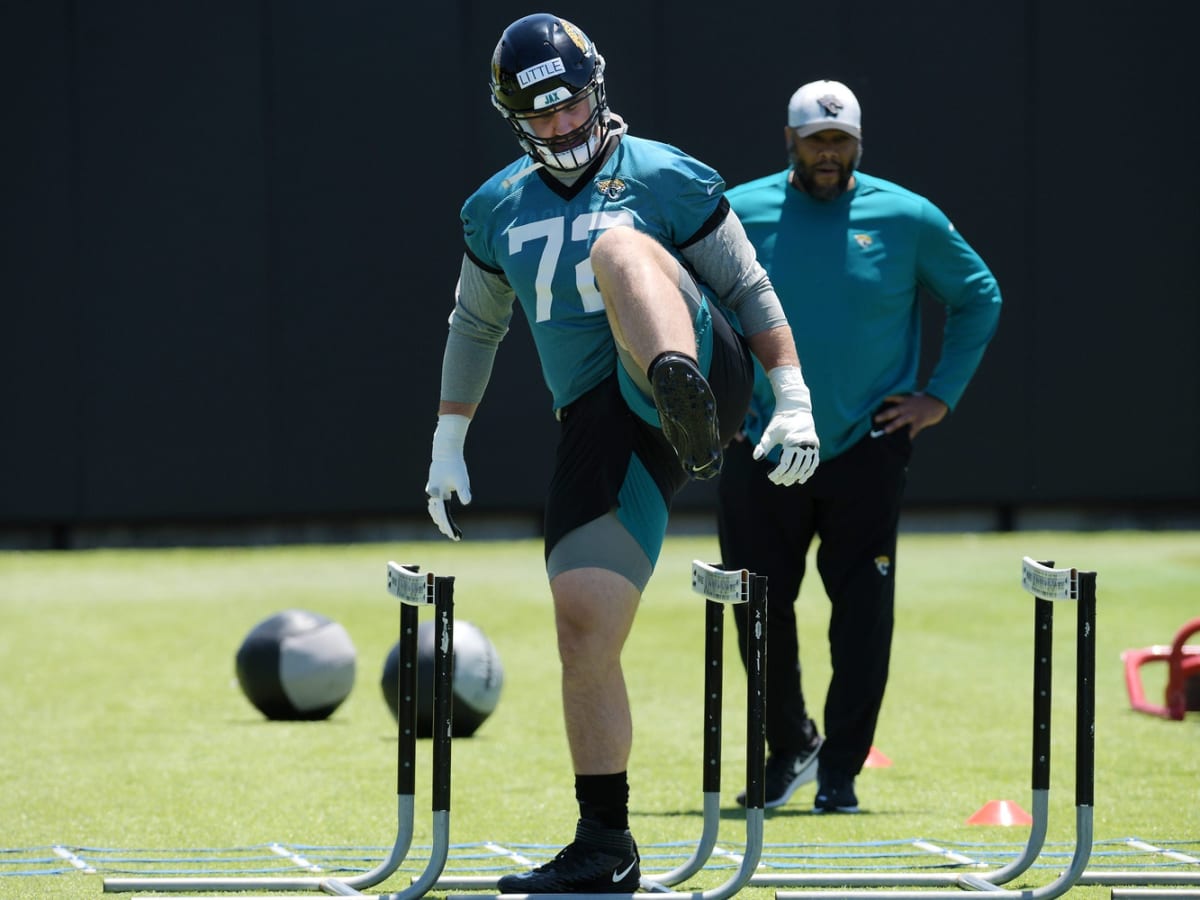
x=864 y=240
x=831 y=104
x=883 y=564
x=612 y=188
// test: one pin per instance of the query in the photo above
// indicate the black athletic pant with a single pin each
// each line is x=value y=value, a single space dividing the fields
x=852 y=506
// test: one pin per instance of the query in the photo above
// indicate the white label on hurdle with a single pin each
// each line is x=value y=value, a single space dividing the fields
x=1047 y=583
x=410 y=586
x=720 y=585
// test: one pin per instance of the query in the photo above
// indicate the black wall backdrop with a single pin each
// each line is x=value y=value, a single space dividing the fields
x=231 y=238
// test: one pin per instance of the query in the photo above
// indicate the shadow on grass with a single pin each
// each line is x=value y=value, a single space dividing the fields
x=737 y=814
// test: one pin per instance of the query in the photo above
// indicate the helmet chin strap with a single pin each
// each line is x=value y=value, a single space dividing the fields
x=528 y=170
x=617 y=129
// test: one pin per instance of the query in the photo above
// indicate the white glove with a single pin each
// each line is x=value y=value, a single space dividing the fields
x=448 y=472
x=792 y=426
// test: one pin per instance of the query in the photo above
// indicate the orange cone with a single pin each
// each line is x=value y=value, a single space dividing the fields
x=876 y=760
x=1000 y=812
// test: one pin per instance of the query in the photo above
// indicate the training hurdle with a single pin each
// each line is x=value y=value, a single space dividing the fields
x=719 y=588
x=1047 y=585
x=414 y=591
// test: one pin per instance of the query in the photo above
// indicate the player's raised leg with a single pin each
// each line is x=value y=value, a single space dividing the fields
x=654 y=326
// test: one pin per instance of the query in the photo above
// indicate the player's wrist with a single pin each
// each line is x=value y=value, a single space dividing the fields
x=450 y=435
x=790 y=389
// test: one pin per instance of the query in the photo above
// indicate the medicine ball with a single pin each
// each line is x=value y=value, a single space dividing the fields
x=477 y=679
x=296 y=665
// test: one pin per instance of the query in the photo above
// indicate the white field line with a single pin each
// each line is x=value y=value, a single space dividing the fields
x=1169 y=854
x=509 y=854
x=73 y=858
x=929 y=847
x=728 y=854
x=295 y=857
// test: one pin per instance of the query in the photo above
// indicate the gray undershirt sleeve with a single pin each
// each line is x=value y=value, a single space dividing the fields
x=482 y=311
x=726 y=261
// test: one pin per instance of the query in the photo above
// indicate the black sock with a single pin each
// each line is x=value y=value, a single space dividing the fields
x=604 y=799
x=670 y=354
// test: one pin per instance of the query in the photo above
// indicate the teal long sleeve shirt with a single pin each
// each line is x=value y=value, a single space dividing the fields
x=848 y=273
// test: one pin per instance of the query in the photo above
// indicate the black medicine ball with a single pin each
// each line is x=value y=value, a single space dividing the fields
x=477 y=679
x=296 y=665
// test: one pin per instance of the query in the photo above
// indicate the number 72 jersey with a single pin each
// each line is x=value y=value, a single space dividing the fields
x=538 y=233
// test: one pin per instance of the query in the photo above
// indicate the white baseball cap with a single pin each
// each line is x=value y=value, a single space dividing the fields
x=825 y=104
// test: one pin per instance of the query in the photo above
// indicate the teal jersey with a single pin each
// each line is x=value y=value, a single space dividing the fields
x=538 y=233
x=847 y=272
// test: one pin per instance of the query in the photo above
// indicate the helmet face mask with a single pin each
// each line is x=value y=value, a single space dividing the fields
x=542 y=66
x=572 y=150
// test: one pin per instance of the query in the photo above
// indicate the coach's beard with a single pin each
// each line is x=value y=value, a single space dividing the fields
x=802 y=177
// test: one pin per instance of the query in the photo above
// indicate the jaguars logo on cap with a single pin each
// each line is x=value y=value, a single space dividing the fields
x=832 y=105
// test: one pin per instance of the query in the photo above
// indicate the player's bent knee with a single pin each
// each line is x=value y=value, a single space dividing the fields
x=621 y=246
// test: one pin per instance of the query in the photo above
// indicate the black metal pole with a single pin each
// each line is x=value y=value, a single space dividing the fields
x=714 y=632
x=1085 y=710
x=1043 y=652
x=756 y=668
x=443 y=688
x=406 y=702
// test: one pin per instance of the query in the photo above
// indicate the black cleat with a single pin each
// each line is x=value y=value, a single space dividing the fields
x=599 y=861
x=688 y=411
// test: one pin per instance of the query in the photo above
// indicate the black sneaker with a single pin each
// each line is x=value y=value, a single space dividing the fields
x=835 y=793
x=784 y=773
x=688 y=411
x=599 y=861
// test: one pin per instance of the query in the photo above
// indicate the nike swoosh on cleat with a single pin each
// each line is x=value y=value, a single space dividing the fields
x=618 y=876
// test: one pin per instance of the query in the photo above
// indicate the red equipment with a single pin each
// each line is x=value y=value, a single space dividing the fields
x=1183 y=665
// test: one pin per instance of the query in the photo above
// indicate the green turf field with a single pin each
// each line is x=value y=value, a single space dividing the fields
x=125 y=729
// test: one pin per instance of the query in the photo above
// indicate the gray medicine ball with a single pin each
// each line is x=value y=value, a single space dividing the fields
x=296 y=665
x=478 y=677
